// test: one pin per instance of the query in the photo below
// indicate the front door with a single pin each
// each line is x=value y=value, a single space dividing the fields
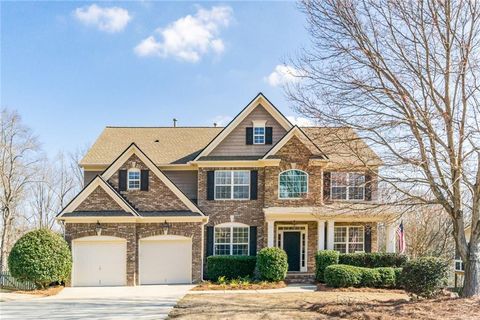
x=291 y=245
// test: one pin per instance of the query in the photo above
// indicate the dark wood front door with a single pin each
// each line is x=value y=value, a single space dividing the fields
x=291 y=245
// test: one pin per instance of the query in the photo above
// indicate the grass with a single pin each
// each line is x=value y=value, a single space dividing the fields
x=372 y=305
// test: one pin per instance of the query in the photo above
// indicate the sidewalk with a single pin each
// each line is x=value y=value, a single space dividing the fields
x=291 y=288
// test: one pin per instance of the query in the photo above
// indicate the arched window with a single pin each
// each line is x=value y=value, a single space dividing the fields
x=292 y=184
x=231 y=239
x=133 y=179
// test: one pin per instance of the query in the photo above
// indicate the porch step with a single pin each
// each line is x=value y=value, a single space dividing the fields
x=300 y=277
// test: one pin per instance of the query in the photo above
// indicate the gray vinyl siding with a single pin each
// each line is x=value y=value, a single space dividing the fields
x=89 y=175
x=234 y=144
x=185 y=181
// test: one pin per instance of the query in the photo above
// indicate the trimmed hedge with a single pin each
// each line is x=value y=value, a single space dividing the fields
x=42 y=257
x=272 y=264
x=230 y=267
x=341 y=275
x=324 y=259
x=373 y=260
x=398 y=277
x=425 y=277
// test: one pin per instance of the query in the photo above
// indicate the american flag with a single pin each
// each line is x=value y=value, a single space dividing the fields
x=401 y=238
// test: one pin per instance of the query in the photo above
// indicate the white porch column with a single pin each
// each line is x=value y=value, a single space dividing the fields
x=391 y=239
x=270 y=233
x=321 y=234
x=330 y=231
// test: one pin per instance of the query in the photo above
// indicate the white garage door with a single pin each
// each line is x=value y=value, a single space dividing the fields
x=99 y=261
x=165 y=259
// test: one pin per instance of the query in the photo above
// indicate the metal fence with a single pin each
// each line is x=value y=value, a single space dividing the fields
x=9 y=282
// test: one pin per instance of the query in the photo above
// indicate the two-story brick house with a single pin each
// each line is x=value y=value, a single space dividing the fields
x=158 y=201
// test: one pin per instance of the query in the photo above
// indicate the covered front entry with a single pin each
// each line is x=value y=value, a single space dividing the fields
x=293 y=239
x=99 y=261
x=165 y=259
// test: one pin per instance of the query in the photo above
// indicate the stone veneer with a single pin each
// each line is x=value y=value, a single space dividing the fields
x=133 y=232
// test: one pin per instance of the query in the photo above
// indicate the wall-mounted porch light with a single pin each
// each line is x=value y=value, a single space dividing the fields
x=98 y=229
x=165 y=227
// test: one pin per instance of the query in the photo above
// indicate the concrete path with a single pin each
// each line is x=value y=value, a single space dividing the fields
x=142 y=302
x=291 y=288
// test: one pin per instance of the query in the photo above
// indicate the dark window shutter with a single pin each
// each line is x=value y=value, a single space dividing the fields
x=368 y=187
x=268 y=135
x=144 y=180
x=122 y=180
x=253 y=241
x=210 y=185
x=249 y=135
x=210 y=241
x=326 y=185
x=253 y=184
x=368 y=240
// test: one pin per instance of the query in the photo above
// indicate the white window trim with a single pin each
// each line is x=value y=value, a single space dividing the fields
x=347 y=186
x=231 y=225
x=293 y=198
x=231 y=185
x=346 y=243
x=459 y=262
x=139 y=179
x=259 y=135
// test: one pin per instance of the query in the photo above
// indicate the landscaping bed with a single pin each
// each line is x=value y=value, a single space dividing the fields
x=208 y=285
x=50 y=291
x=323 y=287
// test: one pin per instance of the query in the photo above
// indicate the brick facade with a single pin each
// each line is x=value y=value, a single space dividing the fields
x=158 y=197
x=99 y=200
x=133 y=232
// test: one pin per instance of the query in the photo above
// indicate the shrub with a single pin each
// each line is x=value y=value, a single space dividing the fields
x=398 y=277
x=272 y=264
x=230 y=267
x=324 y=259
x=370 y=277
x=373 y=260
x=42 y=257
x=340 y=275
x=387 y=277
x=425 y=277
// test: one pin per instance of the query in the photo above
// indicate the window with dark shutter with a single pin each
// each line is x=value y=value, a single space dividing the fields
x=249 y=135
x=253 y=184
x=209 y=241
x=268 y=135
x=144 y=180
x=368 y=240
x=210 y=185
x=122 y=180
x=326 y=185
x=253 y=240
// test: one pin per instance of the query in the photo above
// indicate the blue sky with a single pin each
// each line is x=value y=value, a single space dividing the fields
x=72 y=68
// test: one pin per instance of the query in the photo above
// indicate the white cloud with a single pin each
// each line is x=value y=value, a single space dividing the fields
x=221 y=121
x=301 y=121
x=283 y=74
x=189 y=37
x=112 y=19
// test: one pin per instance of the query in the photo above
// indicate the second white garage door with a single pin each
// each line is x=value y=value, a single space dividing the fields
x=165 y=259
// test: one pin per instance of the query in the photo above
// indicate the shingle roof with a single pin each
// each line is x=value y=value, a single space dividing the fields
x=182 y=144
x=175 y=145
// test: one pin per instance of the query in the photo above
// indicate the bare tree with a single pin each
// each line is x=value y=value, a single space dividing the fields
x=405 y=75
x=17 y=159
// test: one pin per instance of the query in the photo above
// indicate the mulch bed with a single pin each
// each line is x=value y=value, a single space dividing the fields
x=323 y=287
x=251 y=286
x=50 y=291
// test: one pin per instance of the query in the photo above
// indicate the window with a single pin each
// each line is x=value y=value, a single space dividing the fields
x=231 y=239
x=258 y=135
x=232 y=185
x=347 y=186
x=292 y=184
x=459 y=267
x=348 y=239
x=133 y=179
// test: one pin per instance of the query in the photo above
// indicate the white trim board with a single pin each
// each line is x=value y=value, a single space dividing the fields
x=259 y=99
x=134 y=149
x=98 y=181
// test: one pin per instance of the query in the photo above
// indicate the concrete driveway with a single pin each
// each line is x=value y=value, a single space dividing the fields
x=142 y=302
